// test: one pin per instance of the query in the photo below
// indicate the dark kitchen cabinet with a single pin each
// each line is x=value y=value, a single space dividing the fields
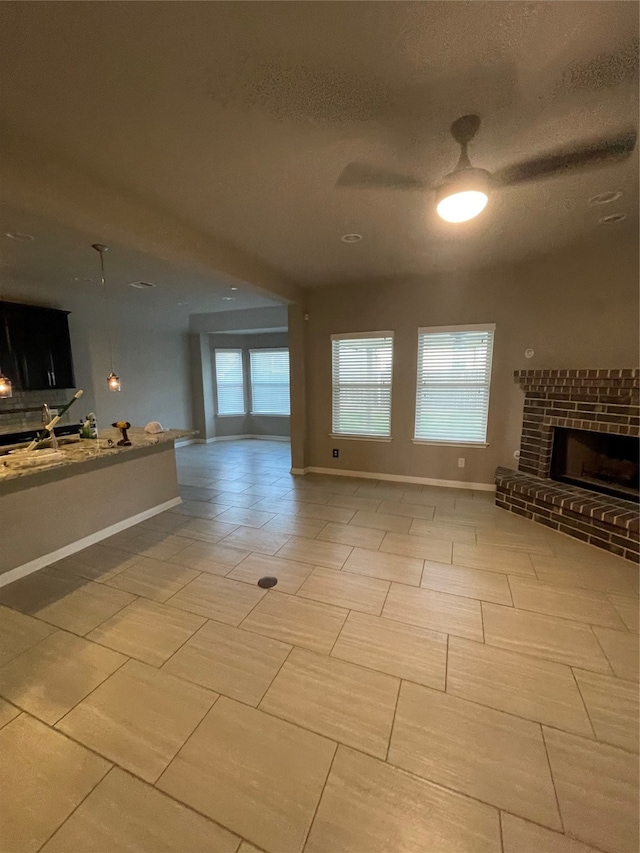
x=35 y=345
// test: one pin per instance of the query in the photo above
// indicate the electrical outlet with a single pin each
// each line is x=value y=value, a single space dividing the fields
x=461 y=462
x=336 y=453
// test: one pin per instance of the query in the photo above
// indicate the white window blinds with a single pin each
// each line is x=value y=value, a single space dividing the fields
x=454 y=375
x=229 y=382
x=362 y=369
x=269 y=381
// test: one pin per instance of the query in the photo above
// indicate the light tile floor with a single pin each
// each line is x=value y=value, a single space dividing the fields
x=431 y=674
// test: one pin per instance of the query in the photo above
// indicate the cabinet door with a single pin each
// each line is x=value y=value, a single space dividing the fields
x=58 y=350
x=8 y=364
x=27 y=329
x=39 y=339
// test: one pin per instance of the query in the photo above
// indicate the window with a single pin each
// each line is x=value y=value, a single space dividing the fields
x=230 y=382
x=269 y=381
x=454 y=374
x=362 y=366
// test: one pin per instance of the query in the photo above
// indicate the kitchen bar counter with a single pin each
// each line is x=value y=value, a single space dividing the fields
x=78 y=455
x=89 y=492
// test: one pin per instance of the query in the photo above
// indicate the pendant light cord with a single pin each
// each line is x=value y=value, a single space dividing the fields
x=107 y=312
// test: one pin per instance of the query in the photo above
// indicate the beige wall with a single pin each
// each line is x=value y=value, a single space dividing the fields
x=576 y=309
x=153 y=365
x=247 y=424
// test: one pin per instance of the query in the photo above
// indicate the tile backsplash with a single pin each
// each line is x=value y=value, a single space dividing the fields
x=14 y=418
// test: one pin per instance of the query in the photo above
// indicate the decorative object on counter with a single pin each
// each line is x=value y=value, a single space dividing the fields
x=154 y=427
x=48 y=430
x=90 y=426
x=113 y=381
x=123 y=426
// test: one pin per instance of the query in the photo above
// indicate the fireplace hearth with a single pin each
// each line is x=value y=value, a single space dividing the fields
x=602 y=462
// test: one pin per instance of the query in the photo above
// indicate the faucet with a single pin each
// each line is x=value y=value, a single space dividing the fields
x=46 y=420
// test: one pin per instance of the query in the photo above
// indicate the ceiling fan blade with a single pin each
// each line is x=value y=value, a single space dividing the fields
x=364 y=176
x=598 y=153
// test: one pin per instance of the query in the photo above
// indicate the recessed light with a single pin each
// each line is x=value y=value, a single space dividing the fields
x=606 y=198
x=183 y=303
x=614 y=217
x=228 y=298
x=233 y=288
x=351 y=238
x=18 y=235
x=141 y=285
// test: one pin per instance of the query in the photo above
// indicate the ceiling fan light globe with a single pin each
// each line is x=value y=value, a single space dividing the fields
x=463 y=195
x=462 y=206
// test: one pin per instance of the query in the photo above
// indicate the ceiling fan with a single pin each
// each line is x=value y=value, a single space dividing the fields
x=464 y=193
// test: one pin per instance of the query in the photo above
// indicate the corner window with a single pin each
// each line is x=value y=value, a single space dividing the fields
x=454 y=378
x=270 y=382
x=362 y=375
x=229 y=382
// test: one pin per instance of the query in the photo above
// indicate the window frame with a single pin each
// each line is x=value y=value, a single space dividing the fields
x=477 y=327
x=244 y=382
x=268 y=414
x=352 y=336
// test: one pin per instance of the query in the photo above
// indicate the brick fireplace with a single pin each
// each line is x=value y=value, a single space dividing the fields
x=598 y=501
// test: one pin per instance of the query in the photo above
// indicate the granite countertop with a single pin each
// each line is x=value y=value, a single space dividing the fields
x=14 y=466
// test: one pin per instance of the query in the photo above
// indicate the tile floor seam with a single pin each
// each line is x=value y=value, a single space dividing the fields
x=257 y=707
x=588 y=844
x=446 y=664
x=602 y=649
x=153 y=787
x=180 y=748
x=393 y=721
x=501 y=833
x=179 y=647
x=18 y=709
x=76 y=807
x=315 y=811
x=608 y=597
x=553 y=781
x=582 y=699
x=416 y=684
x=556 y=616
x=349 y=612
x=511 y=713
x=37 y=643
x=80 y=701
x=68 y=630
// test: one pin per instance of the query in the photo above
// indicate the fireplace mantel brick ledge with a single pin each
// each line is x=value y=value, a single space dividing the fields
x=598 y=400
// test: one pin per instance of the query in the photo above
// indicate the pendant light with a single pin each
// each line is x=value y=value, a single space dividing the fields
x=6 y=389
x=113 y=381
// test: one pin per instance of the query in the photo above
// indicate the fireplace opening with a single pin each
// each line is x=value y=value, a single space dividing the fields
x=603 y=462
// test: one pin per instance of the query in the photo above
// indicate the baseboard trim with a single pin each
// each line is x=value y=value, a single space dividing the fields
x=79 y=544
x=398 y=478
x=240 y=437
x=185 y=442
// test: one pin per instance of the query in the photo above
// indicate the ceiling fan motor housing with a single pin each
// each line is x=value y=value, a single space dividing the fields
x=464 y=180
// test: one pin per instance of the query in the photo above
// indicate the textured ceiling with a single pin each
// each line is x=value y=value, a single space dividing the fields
x=60 y=268
x=238 y=118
